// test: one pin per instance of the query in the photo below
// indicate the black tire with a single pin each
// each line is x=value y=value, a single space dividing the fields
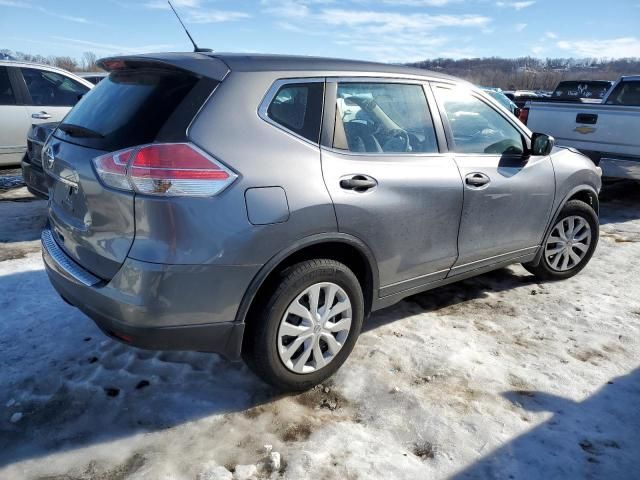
x=260 y=350
x=543 y=269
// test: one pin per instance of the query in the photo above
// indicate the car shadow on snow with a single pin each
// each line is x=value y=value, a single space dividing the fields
x=593 y=438
x=453 y=294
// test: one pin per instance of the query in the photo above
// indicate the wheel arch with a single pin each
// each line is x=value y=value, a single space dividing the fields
x=337 y=246
x=584 y=193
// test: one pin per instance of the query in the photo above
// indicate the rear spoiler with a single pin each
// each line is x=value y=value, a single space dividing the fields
x=196 y=63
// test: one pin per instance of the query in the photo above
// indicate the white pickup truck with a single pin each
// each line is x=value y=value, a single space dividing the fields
x=608 y=132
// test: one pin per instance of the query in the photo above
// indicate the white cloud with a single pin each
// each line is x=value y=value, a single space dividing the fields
x=516 y=5
x=162 y=4
x=112 y=48
x=520 y=27
x=194 y=12
x=420 y=3
x=611 y=48
x=215 y=16
x=385 y=21
x=56 y=14
x=551 y=35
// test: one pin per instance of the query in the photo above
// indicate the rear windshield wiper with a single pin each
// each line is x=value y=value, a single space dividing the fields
x=78 y=131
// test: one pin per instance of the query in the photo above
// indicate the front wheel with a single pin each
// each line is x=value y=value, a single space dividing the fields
x=305 y=330
x=570 y=243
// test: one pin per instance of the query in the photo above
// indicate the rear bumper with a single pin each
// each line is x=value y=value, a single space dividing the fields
x=36 y=179
x=159 y=307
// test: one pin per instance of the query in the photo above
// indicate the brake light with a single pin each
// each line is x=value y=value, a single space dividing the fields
x=169 y=169
x=523 y=116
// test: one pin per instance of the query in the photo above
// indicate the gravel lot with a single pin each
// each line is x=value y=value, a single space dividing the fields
x=494 y=377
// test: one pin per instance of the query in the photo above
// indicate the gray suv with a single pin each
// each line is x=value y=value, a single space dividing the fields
x=264 y=206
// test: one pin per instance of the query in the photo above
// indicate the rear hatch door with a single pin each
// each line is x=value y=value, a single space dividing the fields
x=141 y=102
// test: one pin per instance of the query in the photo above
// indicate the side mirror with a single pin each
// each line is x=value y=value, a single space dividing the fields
x=542 y=144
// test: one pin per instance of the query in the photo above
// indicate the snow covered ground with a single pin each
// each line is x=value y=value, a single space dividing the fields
x=495 y=377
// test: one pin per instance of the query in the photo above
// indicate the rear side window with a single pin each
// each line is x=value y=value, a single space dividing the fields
x=52 y=89
x=129 y=107
x=626 y=93
x=383 y=118
x=6 y=92
x=298 y=107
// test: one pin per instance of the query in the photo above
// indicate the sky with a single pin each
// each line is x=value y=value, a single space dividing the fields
x=382 y=30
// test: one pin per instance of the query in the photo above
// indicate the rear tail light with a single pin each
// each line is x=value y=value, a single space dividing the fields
x=523 y=115
x=169 y=169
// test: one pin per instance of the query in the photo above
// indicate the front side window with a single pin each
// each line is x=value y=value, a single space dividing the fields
x=383 y=118
x=476 y=127
x=6 y=92
x=298 y=107
x=52 y=89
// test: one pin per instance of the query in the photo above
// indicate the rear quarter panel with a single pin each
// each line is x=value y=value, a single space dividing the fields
x=217 y=230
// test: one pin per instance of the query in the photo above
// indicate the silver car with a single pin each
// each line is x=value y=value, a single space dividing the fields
x=31 y=94
x=264 y=206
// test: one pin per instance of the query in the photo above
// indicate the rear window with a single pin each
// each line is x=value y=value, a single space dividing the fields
x=128 y=108
x=577 y=90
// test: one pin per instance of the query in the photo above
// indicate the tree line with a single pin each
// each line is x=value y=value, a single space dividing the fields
x=528 y=73
x=86 y=63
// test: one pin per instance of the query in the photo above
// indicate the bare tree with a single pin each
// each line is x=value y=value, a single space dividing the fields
x=89 y=62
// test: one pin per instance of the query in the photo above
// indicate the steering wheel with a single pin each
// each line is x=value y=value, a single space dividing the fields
x=402 y=136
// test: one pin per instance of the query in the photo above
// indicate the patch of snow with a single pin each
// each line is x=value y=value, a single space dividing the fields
x=492 y=381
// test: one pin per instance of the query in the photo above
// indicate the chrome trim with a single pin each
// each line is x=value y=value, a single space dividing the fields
x=63 y=262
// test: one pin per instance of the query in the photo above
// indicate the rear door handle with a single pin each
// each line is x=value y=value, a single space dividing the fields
x=358 y=183
x=477 y=180
x=587 y=118
x=41 y=116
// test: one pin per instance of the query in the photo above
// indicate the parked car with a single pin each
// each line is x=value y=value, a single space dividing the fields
x=32 y=94
x=498 y=95
x=520 y=97
x=32 y=172
x=93 y=77
x=264 y=206
x=607 y=132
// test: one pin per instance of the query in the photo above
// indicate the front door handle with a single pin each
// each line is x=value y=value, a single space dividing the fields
x=41 y=116
x=477 y=180
x=358 y=183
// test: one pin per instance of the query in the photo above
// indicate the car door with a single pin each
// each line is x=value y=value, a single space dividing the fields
x=50 y=94
x=14 y=121
x=508 y=194
x=391 y=186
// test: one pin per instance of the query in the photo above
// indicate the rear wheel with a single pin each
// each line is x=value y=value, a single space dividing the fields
x=305 y=330
x=570 y=243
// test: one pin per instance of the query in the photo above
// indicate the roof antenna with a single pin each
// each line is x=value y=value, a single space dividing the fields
x=195 y=46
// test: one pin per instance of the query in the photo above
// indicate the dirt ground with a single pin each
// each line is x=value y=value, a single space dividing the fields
x=494 y=377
